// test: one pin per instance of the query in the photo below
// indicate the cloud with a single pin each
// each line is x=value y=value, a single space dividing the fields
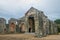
x=17 y=8
x=13 y=6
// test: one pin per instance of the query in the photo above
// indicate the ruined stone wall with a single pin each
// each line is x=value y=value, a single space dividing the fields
x=55 y=29
x=43 y=26
x=2 y=25
x=12 y=25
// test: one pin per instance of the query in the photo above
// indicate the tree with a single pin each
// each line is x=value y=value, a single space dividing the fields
x=57 y=21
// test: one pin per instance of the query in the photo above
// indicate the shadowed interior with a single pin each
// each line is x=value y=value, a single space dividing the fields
x=31 y=24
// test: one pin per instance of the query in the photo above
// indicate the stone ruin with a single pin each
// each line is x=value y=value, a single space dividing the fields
x=12 y=25
x=34 y=21
x=2 y=25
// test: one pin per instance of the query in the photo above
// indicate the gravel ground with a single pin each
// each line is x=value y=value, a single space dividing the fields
x=27 y=37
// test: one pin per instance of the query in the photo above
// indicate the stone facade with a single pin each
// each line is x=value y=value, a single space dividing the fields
x=42 y=25
x=21 y=24
x=12 y=25
x=2 y=25
x=34 y=21
x=39 y=21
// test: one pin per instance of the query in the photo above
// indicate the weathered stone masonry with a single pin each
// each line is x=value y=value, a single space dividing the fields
x=34 y=21
x=2 y=25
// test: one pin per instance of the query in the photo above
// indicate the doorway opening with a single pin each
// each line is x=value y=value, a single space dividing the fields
x=31 y=24
x=22 y=28
x=12 y=27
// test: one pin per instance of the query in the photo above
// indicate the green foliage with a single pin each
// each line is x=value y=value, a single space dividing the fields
x=57 y=21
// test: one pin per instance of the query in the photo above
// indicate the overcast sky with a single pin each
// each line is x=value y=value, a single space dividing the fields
x=17 y=8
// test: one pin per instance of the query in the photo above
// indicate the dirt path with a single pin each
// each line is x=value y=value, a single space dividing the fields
x=28 y=37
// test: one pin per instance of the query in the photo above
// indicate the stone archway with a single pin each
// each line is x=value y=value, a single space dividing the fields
x=31 y=23
x=22 y=27
x=12 y=27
